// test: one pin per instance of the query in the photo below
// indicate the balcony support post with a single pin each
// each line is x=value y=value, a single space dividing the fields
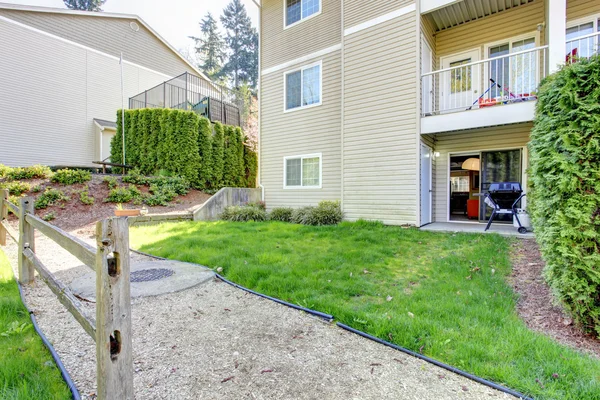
x=556 y=26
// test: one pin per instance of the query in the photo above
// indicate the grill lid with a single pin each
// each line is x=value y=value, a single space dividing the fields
x=505 y=187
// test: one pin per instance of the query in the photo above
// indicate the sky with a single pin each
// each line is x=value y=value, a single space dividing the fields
x=174 y=20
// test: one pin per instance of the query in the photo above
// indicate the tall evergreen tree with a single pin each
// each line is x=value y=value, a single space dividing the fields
x=85 y=5
x=242 y=43
x=210 y=47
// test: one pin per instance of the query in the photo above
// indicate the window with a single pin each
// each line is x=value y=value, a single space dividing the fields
x=298 y=10
x=459 y=184
x=460 y=79
x=516 y=74
x=303 y=87
x=302 y=172
x=578 y=47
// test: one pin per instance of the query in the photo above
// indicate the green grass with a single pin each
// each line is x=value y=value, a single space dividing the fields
x=27 y=370
x=449 y=296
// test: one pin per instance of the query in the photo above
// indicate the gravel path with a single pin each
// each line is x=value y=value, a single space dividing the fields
x=217 y=342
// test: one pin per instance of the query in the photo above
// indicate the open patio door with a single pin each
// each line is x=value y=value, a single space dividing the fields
x=499 y=166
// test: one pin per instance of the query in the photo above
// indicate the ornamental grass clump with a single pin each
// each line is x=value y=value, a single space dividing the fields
x=565 y=187
x=244 y=214
x=282 y=214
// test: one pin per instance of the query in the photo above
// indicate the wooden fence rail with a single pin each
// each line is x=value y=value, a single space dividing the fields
x=111 y=329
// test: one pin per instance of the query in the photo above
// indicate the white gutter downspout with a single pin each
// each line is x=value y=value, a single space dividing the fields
x=259 y=174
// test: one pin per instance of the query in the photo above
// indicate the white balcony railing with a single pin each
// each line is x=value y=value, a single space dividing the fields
x=582 y=47
x=491 y=82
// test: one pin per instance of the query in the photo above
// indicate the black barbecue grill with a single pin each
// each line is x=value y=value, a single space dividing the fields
x=503 y=198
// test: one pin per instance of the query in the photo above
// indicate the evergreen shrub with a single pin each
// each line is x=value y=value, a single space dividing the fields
x=564 y=198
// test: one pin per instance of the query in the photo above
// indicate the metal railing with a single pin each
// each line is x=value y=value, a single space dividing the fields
x=582 y=47
x=491 y=82
x=190 y=92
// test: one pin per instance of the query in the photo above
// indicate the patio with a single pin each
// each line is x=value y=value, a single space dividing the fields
x=501 y=229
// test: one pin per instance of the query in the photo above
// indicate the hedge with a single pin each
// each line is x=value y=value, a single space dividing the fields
x=181 y=143
x=565 y=187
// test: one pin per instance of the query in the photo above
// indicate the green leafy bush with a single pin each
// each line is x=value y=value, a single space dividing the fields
x=564 y=198
x=49 y=216
x=36 y=189
x=161 y=195
x=135 y=177
x=33 y=172
x=16 y=188
x=283 y=214
x=243 y=214
x=325 y=213
x=111 y=182
x=123 y=194
x=50 y=197
x=4 y=170
x=302 y=215
x=85 y=198
x=71 y=176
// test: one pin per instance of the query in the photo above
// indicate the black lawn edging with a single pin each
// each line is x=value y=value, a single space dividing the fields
x=330 y=318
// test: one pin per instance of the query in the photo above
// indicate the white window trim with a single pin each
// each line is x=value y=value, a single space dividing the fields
x=302 y=107
x=301 y=157
x=301 y=19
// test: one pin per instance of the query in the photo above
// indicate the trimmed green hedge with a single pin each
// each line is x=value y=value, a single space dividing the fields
x=565 y=187
x=181 y=143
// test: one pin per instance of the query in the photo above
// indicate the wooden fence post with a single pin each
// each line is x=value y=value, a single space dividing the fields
x=26 y=241
x=3 y=215
x=113 y=311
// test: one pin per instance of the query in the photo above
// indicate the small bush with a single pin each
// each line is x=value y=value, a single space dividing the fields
x=161 y=196
x=85 y=198
x=134 y=176
x=71 y=176
x=243 y=214
x=33 y=172
x=302 y=215
x=283 y=214
x=49 y=216
x=36 y=189
x=50 y=197
x=123 y=194
x=326 y=213
x=16 y=200
x=16 y=188
x=111 y=182
x=4 y=170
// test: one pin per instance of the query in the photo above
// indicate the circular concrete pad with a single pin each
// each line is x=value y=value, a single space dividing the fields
x=173 y=276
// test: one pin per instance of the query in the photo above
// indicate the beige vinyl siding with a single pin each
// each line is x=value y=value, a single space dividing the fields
x=108 y=35
x=577 y=9
x=281 y=45
x=359 y=11
x=47 y=114
x=300 y=132
x=485 y=139
x=503 y=25
x=380 y=138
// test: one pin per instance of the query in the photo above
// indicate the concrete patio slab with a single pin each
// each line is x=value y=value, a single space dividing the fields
x=501 y=229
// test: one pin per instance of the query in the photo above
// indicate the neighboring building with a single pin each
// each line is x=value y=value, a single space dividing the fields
x=60 y=85
x=376 y=103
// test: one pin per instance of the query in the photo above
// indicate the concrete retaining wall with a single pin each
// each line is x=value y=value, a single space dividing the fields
x=158 y=218
x=226 y=197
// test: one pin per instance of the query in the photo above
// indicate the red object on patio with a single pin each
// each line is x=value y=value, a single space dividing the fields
x=473 y=208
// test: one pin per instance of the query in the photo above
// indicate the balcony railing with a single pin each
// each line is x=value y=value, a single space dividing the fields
x=190 y=92
x=496 y=81
x=582 y=47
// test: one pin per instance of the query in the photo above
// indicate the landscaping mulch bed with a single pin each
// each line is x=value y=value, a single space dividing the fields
x=536 y=305
x=75 y=215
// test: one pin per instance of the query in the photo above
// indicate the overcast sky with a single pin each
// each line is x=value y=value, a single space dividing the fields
x=174 y=20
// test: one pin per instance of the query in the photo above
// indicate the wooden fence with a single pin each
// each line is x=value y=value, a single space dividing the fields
x=111 y=329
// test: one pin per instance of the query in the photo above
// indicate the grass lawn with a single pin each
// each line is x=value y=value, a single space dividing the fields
x=444 y=295
x=27 y=370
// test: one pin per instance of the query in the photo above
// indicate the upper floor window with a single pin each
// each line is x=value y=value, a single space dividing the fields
x=303 y=87
x=583 y=38
x=298 y=10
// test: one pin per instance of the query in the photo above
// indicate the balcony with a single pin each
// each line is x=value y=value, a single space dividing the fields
x=473 y=94
x=190 y=92
x=583 y=46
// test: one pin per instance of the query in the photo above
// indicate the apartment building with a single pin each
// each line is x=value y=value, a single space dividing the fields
x=402 y=110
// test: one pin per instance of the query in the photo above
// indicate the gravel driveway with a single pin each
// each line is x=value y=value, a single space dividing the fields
x=217 y=342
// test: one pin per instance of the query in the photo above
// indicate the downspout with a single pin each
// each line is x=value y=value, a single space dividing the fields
x=258 y=91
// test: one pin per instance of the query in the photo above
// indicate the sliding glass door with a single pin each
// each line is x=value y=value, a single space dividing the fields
x=499 y=166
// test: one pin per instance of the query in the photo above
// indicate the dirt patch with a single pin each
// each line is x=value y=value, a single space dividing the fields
x=536 y=305
x=74 y=215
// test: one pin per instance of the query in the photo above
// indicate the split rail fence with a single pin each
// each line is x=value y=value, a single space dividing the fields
x=111 y=329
